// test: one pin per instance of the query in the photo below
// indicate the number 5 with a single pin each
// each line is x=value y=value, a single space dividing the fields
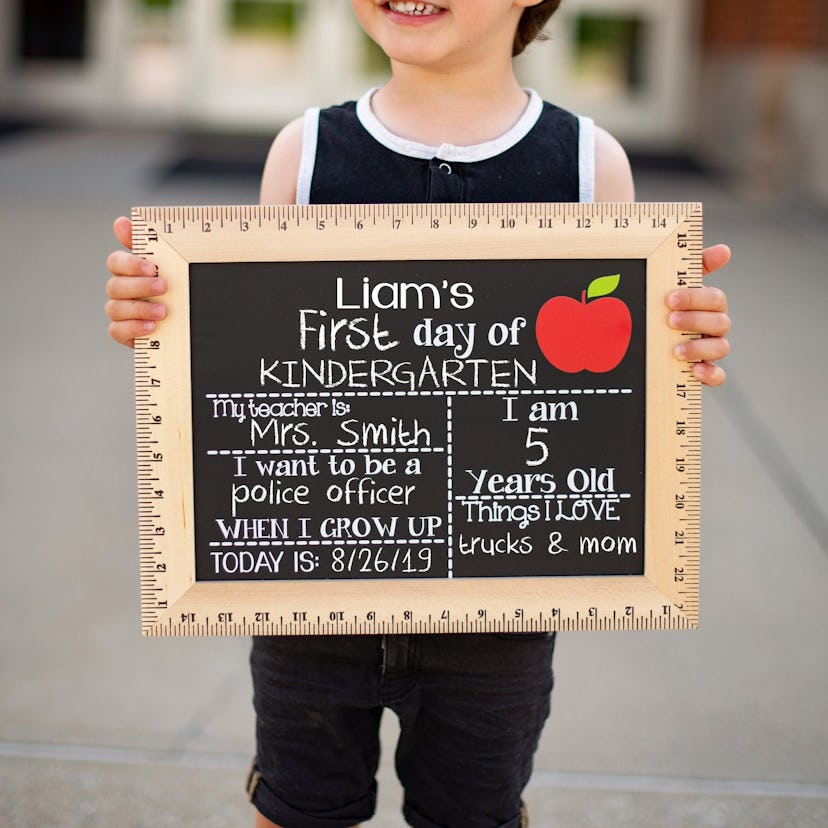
x=530 y=443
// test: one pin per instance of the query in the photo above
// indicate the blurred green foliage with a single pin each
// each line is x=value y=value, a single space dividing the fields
x=280 y=17
x=617 y=37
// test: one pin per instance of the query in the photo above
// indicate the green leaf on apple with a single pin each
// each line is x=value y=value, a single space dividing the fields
x=603 y=286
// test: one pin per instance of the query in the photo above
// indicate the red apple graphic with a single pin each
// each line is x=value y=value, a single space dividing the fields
x=585 y=336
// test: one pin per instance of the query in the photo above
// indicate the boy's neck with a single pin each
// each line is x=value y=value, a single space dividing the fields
x=461 y=108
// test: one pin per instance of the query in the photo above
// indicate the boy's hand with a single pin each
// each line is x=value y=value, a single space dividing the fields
x=133 y=282
x=704 y=311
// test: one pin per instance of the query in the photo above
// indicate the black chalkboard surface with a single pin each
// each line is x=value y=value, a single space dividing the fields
x=416 y=431
x=418 y=418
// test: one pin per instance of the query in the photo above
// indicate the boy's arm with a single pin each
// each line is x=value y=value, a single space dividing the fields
x=613 y=176
x=697 y=310
x=133 y=280
x=282 y=166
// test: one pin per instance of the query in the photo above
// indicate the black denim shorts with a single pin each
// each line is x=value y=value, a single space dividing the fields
x=471 y=710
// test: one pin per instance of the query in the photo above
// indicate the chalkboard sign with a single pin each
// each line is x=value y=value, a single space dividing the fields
x=418 y=418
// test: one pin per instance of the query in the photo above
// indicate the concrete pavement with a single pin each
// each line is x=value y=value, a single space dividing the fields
x=727 y=726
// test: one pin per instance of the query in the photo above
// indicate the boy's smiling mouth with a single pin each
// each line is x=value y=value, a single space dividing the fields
x=417 y=9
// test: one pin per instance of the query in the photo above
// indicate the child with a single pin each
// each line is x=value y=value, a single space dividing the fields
x=451 y=124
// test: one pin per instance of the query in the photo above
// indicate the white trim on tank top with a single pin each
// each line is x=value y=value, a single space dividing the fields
x=586 y=160
x=310 y=138
x=449 y=152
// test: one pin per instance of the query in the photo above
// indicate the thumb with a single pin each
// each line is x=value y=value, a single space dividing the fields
x=714 y=258
x=122 y=228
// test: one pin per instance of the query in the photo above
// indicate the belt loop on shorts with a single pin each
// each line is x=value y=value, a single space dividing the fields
x=253 y=779
x=396 y=654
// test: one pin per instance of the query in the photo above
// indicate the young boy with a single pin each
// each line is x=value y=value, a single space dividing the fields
x=451 y=124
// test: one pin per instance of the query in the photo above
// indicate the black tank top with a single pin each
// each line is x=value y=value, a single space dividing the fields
x=349 y=157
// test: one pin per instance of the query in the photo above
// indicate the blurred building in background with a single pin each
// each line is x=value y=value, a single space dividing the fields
x=741 y=85
x=765 y=93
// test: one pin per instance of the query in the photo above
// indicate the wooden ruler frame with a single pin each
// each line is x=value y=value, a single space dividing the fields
x=667 y=235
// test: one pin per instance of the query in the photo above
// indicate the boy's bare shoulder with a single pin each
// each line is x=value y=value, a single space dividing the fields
x=282 y=165
x=613 y=176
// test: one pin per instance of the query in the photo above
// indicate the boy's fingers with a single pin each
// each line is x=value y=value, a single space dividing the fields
x=706 y=349
x=703 y=299
x=703 y=322
x=709 y=373
x=122 y=263
x=123 y=231
x=704 y=311
x=127 y=332
x=714 y=258
x=120 y=310
x=135 y=287
x=133 y=280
